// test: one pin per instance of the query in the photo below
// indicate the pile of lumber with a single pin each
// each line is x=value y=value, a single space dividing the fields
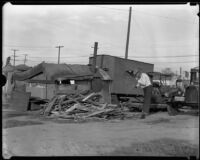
x=80 y=107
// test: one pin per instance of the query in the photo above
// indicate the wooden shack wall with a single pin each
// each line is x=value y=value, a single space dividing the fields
x=40 y=90
x=122 y=82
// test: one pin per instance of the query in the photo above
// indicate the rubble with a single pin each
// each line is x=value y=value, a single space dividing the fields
x=79 y=107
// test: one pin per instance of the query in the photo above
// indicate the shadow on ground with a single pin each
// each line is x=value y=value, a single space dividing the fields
x=17 y=123
x=13 y=114
x=160 y=147
x=160 y=120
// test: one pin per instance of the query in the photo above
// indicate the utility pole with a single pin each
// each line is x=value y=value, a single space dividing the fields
x=25 y=59
x=128 y=33
x=59 y=53
x=180 y=72
x=14 y=50
x=94 y=56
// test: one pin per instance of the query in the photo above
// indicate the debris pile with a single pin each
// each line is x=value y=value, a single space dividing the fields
x=79 y=107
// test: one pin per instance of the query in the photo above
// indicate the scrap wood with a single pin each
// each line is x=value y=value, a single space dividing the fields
x=98 y=113
x=77 y=111
x=70 y=100
x=91 y=96
x=66 y=116
x=50 y=106
x=72 y=108
x=112 y=105
x=94 y=103
x=104 y=106
x=78 y=107
x=61 y=98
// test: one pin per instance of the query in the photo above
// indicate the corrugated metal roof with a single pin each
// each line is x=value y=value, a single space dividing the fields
x=22 y=67
x=53 y=71
x=18 y=68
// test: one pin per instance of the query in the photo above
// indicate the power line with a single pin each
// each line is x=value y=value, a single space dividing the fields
x=40 y=47
x=169 y=18
x=149 y=14
x=17 y=59
x=36 y=47
x=61 y=57
x=121 y=56
x=157 y=46
x=165 y=56
x=173 y=62
x=123 y=10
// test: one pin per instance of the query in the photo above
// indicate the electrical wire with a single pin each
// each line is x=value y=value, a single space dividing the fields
x=164 y=56
x=149 y=14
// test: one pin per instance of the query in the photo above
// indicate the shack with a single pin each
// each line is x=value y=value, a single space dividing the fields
x=42 y=79
x=122 y=83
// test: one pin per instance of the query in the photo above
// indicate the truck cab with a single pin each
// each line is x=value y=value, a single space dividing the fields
x=190 y=95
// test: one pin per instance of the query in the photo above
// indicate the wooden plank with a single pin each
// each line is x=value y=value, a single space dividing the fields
x=89 y=96
x=98 y=112
x=104 y=106
x=49 y=106
x=77 y=105
x=94 y=103
x=69 y=101
x=112 y=105
x=66 y=116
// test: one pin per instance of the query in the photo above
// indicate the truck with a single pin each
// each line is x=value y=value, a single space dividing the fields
x=189 y=97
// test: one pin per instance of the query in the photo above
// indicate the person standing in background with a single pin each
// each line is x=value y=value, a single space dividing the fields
x=144 y=81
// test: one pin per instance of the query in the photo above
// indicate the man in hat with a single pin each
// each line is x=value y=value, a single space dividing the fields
x=143 y=81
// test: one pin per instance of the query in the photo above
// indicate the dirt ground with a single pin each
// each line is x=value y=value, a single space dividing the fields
x=28 y=134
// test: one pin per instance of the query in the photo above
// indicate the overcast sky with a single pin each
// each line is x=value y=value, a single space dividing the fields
x=165 y=35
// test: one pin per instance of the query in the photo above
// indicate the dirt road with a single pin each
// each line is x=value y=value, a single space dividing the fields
x=158 y=135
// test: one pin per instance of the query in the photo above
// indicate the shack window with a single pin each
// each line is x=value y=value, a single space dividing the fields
x=72 y=81
x=65 y=81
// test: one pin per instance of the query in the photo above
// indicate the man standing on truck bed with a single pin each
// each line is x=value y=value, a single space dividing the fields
x=143 y=81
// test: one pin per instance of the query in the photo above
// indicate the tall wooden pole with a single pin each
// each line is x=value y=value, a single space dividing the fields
x=94 y=56
x=14 y=55
x=59 y=53
x=25 y=59
x=46 y=87
x=128 y=33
